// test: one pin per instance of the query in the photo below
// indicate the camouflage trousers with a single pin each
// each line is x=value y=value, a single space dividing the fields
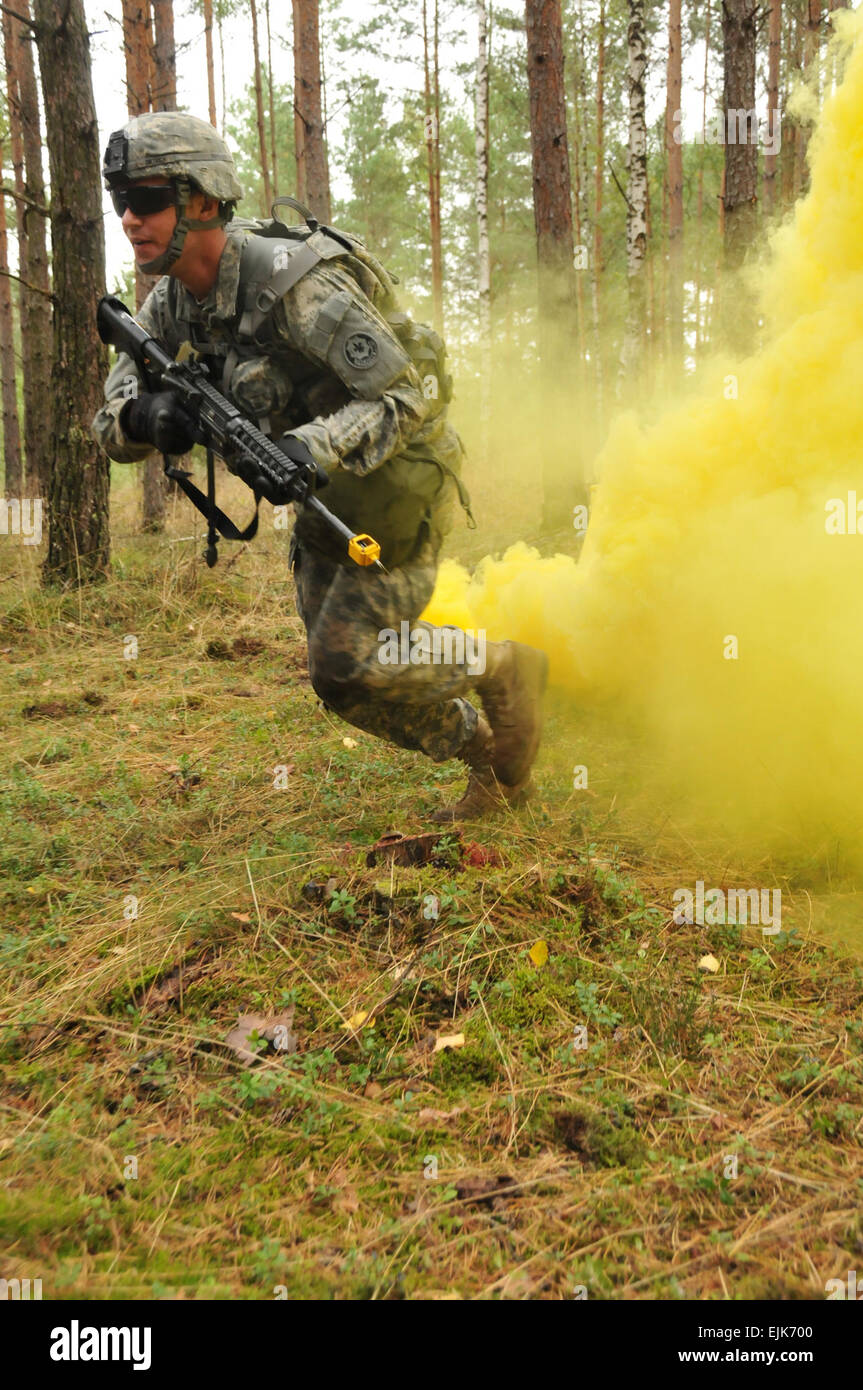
x=345 y=609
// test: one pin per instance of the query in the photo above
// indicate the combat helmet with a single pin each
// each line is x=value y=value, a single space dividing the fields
x=184 y=149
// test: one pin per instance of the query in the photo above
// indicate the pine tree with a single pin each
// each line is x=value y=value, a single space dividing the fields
x=78 y=534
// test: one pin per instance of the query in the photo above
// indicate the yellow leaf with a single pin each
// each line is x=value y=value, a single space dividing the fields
x=448 y=1040
x=539 y=952
x=709 y=963
x=358 y=1019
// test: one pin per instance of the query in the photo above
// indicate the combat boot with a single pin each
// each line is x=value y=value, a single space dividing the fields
x=484 y=793
x=511 y=691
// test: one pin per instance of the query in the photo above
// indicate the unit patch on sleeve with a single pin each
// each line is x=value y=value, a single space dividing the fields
x=361 y=350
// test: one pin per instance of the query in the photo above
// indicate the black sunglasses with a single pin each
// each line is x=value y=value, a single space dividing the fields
x=147 y=198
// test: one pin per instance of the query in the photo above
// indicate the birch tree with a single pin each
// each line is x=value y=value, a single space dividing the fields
x=431 y=75
x=259 y=108
x=635 y=334
x=674 y=152
x=12 y=470
x=483 y=252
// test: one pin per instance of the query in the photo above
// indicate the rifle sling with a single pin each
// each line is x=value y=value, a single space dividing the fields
x=217 y=522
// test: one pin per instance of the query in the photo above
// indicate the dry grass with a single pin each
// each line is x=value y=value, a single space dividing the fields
x=365 y=1164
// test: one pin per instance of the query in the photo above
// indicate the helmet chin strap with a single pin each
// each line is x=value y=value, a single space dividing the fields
x=161 y=264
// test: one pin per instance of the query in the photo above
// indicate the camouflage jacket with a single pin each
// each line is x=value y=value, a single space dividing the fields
x=333 y=373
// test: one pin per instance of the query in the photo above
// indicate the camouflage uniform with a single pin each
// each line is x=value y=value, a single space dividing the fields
x=335 y=375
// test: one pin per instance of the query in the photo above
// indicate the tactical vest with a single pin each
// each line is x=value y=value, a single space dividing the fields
x=412 y=494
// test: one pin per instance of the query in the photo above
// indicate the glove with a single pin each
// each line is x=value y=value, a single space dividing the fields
x=299 y=453
x=162 y=420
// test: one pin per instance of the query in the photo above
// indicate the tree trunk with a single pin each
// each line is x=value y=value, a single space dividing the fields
x=699 y=251
x=222 y=66
x=78 y=534
x=674 y=148
x=259 y=111
x=273 y=149
x=211 y=76
x=635 y=334
x=483 y=251
x=13 y=477
x=774 y=50
x=311 y=151
x=432 y=142
x=580 y=173
x=137 y=44
x=164 y=97
x=552 y=190
x=811 y=43
x=740 y=30
x=145 y=77
x=36 y=344
x=11 y=48
x=600 y=141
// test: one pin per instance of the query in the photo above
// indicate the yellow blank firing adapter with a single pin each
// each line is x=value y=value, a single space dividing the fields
x=364 y=549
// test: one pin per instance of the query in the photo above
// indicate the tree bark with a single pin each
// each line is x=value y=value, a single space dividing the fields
x=432 y=143
x=483 y=251
x=137 y=45
x=552 y=189
x=699 y=234
x=311 y=151
x=739 y=29
x=145 y=77
x=211 y=76
x=164 y=96
x=78 y=531
x=13 y=476
x=674 y=149
x=36 y=345
x=273 y=149
x=774 y=50
x=259 y=111
x=634 y=342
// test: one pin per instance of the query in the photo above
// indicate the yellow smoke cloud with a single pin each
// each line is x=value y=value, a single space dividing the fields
x=710 y=526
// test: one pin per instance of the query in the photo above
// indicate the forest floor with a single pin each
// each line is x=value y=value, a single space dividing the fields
x=611 y=1120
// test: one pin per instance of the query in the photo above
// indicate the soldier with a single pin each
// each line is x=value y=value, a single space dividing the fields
x=304 y=334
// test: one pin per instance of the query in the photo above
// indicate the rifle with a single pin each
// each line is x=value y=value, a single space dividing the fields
x=247 y=452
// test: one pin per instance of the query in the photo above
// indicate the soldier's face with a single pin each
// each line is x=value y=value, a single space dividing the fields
x=151 y=234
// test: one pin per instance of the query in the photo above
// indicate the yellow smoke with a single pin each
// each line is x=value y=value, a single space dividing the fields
x=710 y=526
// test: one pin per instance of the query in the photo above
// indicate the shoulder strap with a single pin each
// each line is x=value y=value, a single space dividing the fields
x=268 y=269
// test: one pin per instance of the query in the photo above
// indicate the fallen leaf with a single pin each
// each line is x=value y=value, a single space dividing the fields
x=349 y=742
x=431 y=1117
x=485 y=1191
x=358 y=1019
x=539 y=953
x=709 y=963
x=275 y=1028
x=372 y=1090
x=448 y=1040
x=241 y=917
x=133 y=729
x=476 y=856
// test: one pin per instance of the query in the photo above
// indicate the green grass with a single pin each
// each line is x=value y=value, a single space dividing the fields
x=365 y=1164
